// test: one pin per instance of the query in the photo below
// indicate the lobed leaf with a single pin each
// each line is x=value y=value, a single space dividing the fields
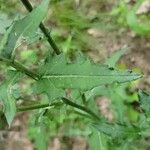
x=82 y=75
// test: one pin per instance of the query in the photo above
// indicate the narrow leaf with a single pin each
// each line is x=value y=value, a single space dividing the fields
x=23 y=28
x=111 y=62
x=136 y=26
x=6 y=95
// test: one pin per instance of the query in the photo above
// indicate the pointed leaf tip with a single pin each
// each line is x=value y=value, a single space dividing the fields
x=84 y=75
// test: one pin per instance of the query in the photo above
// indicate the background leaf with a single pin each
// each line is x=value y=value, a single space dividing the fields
x=117 y=130
x=4 y=23
x=137 y=26
x=111 y=62
x=145 y=102
x=97 y=140
x=6 y=95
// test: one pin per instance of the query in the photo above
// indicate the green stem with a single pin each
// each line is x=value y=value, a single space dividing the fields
x=68 y=102
x=29 y=7
x=83 y=114
x=36 y=106
x=20 y=68
x=65 y=100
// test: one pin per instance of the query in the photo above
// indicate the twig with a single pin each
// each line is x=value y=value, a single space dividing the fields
x=21 y=68
x=36 y=106
x=66 y=101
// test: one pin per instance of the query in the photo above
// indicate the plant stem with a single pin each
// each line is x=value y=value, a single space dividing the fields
x=83 y=114
x=29 y=7
x=20 y=68
x=36 y=106
x=68 y=102
x=65 y=100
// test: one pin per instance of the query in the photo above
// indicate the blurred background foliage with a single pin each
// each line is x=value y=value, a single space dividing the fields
x=97 y=28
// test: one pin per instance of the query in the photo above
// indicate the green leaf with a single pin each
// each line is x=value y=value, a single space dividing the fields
x=37 y=130
x=6 y=95
x=44 y=86
x=97 y=140
x=83 y=75
x=23 y=28
x=4 y=23
x=145 y=102
x=118 y=131
x=97 y=91
x=119 y=94
x=137 y=26
x=111 y=62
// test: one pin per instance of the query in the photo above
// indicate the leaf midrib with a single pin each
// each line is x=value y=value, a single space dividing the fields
x=82 y=76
